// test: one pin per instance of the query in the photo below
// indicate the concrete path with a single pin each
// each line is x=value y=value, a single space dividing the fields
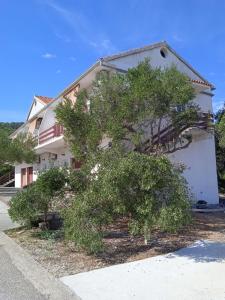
x=5 y=221
x=193 y=273
x=21 y=277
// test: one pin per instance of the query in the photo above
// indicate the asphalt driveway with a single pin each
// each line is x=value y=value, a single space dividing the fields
x=196 y=272
x=22 y=278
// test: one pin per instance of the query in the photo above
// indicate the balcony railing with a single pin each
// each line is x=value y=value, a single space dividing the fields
x=7 y=178
x=50 y=133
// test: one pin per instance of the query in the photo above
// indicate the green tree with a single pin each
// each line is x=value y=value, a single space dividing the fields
x=15 y=150
x=143 y=115
x=220 y=147
x=38 y=198
x=146 y=109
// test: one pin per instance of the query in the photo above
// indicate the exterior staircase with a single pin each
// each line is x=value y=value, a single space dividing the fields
x=8 y=191
x=8 y=179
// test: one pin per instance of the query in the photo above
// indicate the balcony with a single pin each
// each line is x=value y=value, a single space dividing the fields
x=50 y=133
x=50 y=139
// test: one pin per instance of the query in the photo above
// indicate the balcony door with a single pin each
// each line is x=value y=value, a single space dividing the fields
x=29 y=175
x=26 y=176
x=23 y=177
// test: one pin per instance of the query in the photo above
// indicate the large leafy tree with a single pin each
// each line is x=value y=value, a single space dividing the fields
x=121 y=128
x=15 y=150
x=147 y=110
x=220 y=147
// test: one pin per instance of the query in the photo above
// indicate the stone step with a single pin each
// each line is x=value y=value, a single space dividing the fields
x=8 y=191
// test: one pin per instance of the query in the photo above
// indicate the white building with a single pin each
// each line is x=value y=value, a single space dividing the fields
x=199 y=157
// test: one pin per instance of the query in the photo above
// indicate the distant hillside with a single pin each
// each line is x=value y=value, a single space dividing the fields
x=10 y=126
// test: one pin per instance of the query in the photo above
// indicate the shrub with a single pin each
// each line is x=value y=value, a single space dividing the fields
x=23 y=206
x=148 y=190
x=51 y=182
x=77 y=180
x=28 y=205
x=80 y=226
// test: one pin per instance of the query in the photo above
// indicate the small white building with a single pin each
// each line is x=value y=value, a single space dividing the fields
x=199 y=158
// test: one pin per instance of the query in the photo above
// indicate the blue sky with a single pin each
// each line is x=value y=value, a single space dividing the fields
x=46 y=44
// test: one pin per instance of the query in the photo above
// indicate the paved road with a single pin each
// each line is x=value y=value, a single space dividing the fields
x=13 y=285
x=22 y=278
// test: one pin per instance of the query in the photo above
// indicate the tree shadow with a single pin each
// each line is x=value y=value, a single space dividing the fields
x=202 y=251
x=120 y=247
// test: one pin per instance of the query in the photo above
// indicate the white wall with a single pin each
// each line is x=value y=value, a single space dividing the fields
x=18 y=173
x=200 y=161
x=36 y=107
x=156 y=60
x=49 y=118
x=199 y=157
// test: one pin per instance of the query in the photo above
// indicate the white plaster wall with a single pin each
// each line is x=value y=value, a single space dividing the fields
x=156 y=60
x=204 y=101
x=63 y=159
x=18 y=173
x=35 y=108
x=200 y=161
x=48 y=119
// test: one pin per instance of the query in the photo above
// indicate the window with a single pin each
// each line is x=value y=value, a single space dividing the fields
x=163 y=52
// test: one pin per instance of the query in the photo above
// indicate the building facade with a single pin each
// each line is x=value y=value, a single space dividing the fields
x=199 y=158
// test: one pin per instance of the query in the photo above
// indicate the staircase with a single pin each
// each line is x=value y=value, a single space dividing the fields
x=7 y=179
x=8 y=191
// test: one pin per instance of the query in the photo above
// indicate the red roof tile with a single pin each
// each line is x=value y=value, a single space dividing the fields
x=44 y=99
x=201 y=82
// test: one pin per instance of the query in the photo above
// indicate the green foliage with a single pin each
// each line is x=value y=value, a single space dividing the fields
x=80 y=225
x=9 y=127
x=130 y=177
x=77 y=180
x=220 y=147
x=50 y=182
x=19 y=149
x=130 y=107
x=50 y=235
x=38 y=198
x=146 y=189
x=24 y=206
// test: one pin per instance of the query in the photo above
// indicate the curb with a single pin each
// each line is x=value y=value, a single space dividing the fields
x=45 y=283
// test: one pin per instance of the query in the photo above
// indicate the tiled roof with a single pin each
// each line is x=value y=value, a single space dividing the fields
x=201 y=82
x=44 y=99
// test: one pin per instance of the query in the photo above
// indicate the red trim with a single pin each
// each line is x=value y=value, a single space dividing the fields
x=54 y=131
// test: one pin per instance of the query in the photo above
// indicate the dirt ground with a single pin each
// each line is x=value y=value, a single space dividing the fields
x=63 y=259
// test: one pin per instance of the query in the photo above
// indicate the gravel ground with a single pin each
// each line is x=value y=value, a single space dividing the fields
x=63 y=259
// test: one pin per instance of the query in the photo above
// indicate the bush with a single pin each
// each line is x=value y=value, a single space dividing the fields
x=24 y=206
x=27 y=206
x=148 y=190
x=80 y=226
x=77 y=180
x=51 y=182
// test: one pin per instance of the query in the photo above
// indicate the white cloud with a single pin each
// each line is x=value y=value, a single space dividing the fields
x=82 y=27
x=48 y=55
x=177 y=38
x=103 y=46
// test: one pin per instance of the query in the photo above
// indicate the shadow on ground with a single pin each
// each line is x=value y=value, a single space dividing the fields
x=202 y=251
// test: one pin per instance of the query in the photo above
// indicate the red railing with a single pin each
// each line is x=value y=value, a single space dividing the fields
x=7 y=177
x=54 y=131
